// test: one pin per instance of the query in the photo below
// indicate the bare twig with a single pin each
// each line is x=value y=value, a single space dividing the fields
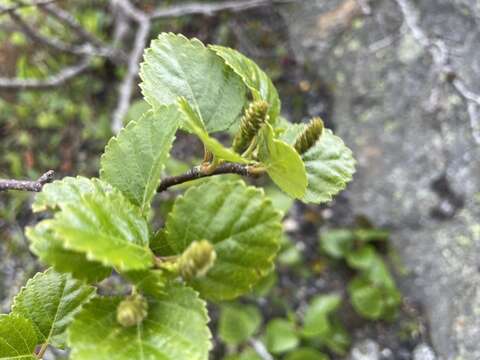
x=260 y=349
x=140 y=42
x=52 y=81
x=66 y=18
x=208 y=8
x=197 y=173
x=442 y=64
x=26 y=185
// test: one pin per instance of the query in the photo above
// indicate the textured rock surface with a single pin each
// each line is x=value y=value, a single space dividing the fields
x=419 y=163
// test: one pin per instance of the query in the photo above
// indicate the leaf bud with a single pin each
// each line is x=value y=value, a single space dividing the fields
x=309 y=136
x=197 y=259
x=253 y=119
x=132 y=310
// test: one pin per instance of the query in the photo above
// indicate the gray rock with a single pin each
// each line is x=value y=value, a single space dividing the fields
x=413 y=135
x=423 y=352
x=365 y=350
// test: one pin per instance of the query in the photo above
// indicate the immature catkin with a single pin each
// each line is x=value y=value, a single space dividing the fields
x=132 y=311
x=309 y=136
x=197 y=259
x=253 y=119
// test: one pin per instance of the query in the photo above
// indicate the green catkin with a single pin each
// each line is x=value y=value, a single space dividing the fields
x=197 y=259
x=132 y=311
x=253 y=119
x=309 y=135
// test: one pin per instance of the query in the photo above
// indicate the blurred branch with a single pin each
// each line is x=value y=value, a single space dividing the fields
x=21 y=4
x=52 y=81
x=260 y=349
x=125 y=13
x=442 y=64
x=210 y=8
x=26 y=185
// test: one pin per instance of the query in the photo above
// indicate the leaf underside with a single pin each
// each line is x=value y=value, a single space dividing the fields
x=17 y=338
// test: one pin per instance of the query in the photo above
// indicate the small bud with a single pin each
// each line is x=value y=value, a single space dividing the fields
x=309 y=135
x=132 y=311
x=253 y=119
x=197 y=259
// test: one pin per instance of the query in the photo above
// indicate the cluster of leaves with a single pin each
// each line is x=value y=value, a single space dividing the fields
x=372 y=291
x=287 y=338
x=219 y=239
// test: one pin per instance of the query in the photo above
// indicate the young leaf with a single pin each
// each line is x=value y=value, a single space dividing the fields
x=329 y=165
x=242 y=225
x=175 y=66
x=337 y=243
x=306 y=354
x=174 y=329
x=17 y=338
x=257 y=81
x=151 y=282
x=194 y=124
x=69 y=190
x=108 y=229
x=281 y=336
x=284 y=165
x=238 y=323
x=134 y=160
x=51 y=300
x=316 y=322
x=50 y=249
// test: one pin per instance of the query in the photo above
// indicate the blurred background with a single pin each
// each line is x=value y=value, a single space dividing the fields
x=398 y=80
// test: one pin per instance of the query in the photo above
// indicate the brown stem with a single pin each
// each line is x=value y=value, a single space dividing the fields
x=198 y=173
x=42 y=350
x=27 y=185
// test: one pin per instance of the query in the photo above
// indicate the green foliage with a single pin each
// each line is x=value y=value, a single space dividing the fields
x=17 y=338
x=281 y=336
x=254 y=78
x=134 y=160
x=238 y=323
x=175 y=66
x=220 y=237
x=306 y=354
x=242 y=225
x=50 y=300
x=108 y=229
x=373 y=292
x=283 y=164
x=175 y=329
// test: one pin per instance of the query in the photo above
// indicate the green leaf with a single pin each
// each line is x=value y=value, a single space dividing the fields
x=256 y=80
x=238 y=323
x=281 y=336
x=50 y=249
x=363 y=258
x=195 y=125
x=329 y=165
x=316 y=322
x=339 y=340
x=242 y=225
x=374 y=300
x=108 y=229
x=306 y=354
x=150 y=282
x=337 y=243
x=69 y=190
x=284 y=165
x=367 y=235
x=134 y=160
x=366 y=299
x=51 y=300
x=17 y=338
x=247 y=354
x=175 y=66
x=175 y=329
